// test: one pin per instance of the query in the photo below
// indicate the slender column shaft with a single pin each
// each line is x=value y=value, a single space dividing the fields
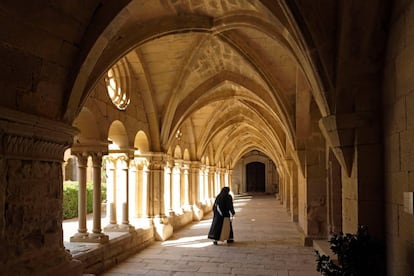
x=82 y=163
x=97 y=192
x=111 y=186
x=125 y=213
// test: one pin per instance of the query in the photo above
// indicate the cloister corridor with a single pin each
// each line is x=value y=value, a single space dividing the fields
x=267 y=242
x=150 y=107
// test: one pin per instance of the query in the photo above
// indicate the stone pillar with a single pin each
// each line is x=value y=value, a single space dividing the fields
x=156 y=168
x=293 y=188
x=186 y=184
x=167 y=189
x=125 y=203
x=194 y=182
x=288 y=184
x=82 y=233
x=111 y=193
x=227 y=182
x=97 y=234
x=163 y=230
x=230 y=180
x=206 y=184
x=201 y=186
x=281 y=186
x=121 y=194
x=334 y=194
x=133 y=188
x=210 y=181
x=31 y=235
x=222 y=173
x=315 y=189
x=195 y=191
x=139 y=192
x=176 y=186
x=217 y=181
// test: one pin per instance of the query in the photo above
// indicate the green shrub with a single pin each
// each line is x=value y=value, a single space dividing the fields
x=70 y=198
x=358 y=255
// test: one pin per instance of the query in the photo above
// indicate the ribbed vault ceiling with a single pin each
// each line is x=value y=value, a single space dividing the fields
x=224 y=73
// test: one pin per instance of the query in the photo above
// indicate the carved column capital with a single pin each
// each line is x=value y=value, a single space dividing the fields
x=97 y=158
x=82 y=158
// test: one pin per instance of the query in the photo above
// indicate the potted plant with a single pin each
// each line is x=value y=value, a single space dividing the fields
x=357 y=254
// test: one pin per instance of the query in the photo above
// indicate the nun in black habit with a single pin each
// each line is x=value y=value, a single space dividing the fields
x=223 y=207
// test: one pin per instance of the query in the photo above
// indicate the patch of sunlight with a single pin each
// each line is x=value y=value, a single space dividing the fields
x=201 y=225
x=192 y=242
x=243 y=199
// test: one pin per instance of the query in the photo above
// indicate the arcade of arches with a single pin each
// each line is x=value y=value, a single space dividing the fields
x=311 y=101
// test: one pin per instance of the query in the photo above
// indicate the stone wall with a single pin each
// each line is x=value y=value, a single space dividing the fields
x=31 y=238
x=105 y=256
x=398 y=107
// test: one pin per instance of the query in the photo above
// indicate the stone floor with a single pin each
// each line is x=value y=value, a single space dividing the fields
x=266 y=243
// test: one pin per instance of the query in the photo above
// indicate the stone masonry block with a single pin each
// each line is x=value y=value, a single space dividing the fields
x=410 y=111
x=406 y=225
x=394 y=191
x=396 y=121
x=407 y=150
x=409 y=26
x=370 y=188
x=368 y=135
x=369 y=160
x=392 y=153
x=404 y=69
x=410 y=182
x=389 y=93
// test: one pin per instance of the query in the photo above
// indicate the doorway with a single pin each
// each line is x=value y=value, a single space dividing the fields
x=255 y=177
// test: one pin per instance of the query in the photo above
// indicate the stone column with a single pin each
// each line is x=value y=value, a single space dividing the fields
x=217 y=182
x=31 y=235
x=194 y=182
x=139 y=192
x=210 y=181
x=111 y=193
x=122 y=194
x=206 y=184
x=281 y=186
x=186 y=184
x=125 y=173
x=176 y=186
x=163 y=230
x=167 y=189
x=230 y=179
x=97 y=234
x=145 y=191
x=334 y=194
x=222 y=178
x=195 y=191
x=201 y=186
x=293 y=190
x=82 y=233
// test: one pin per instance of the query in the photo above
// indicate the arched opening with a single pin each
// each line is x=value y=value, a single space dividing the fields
x=255 y=177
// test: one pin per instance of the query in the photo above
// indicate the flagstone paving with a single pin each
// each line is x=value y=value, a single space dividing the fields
x=266 y=243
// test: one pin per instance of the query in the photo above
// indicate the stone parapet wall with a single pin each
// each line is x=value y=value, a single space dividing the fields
x=102 y=257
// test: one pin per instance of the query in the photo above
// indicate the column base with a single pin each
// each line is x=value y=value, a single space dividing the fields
x=91 y=238
x=119 y=228
x=98 y=238
x=79 y=237
x=197 y=213
x=163 y=231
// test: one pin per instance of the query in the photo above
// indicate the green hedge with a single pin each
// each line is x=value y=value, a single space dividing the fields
x=70 y=198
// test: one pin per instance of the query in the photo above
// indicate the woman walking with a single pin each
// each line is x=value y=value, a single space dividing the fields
x=221 y=228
